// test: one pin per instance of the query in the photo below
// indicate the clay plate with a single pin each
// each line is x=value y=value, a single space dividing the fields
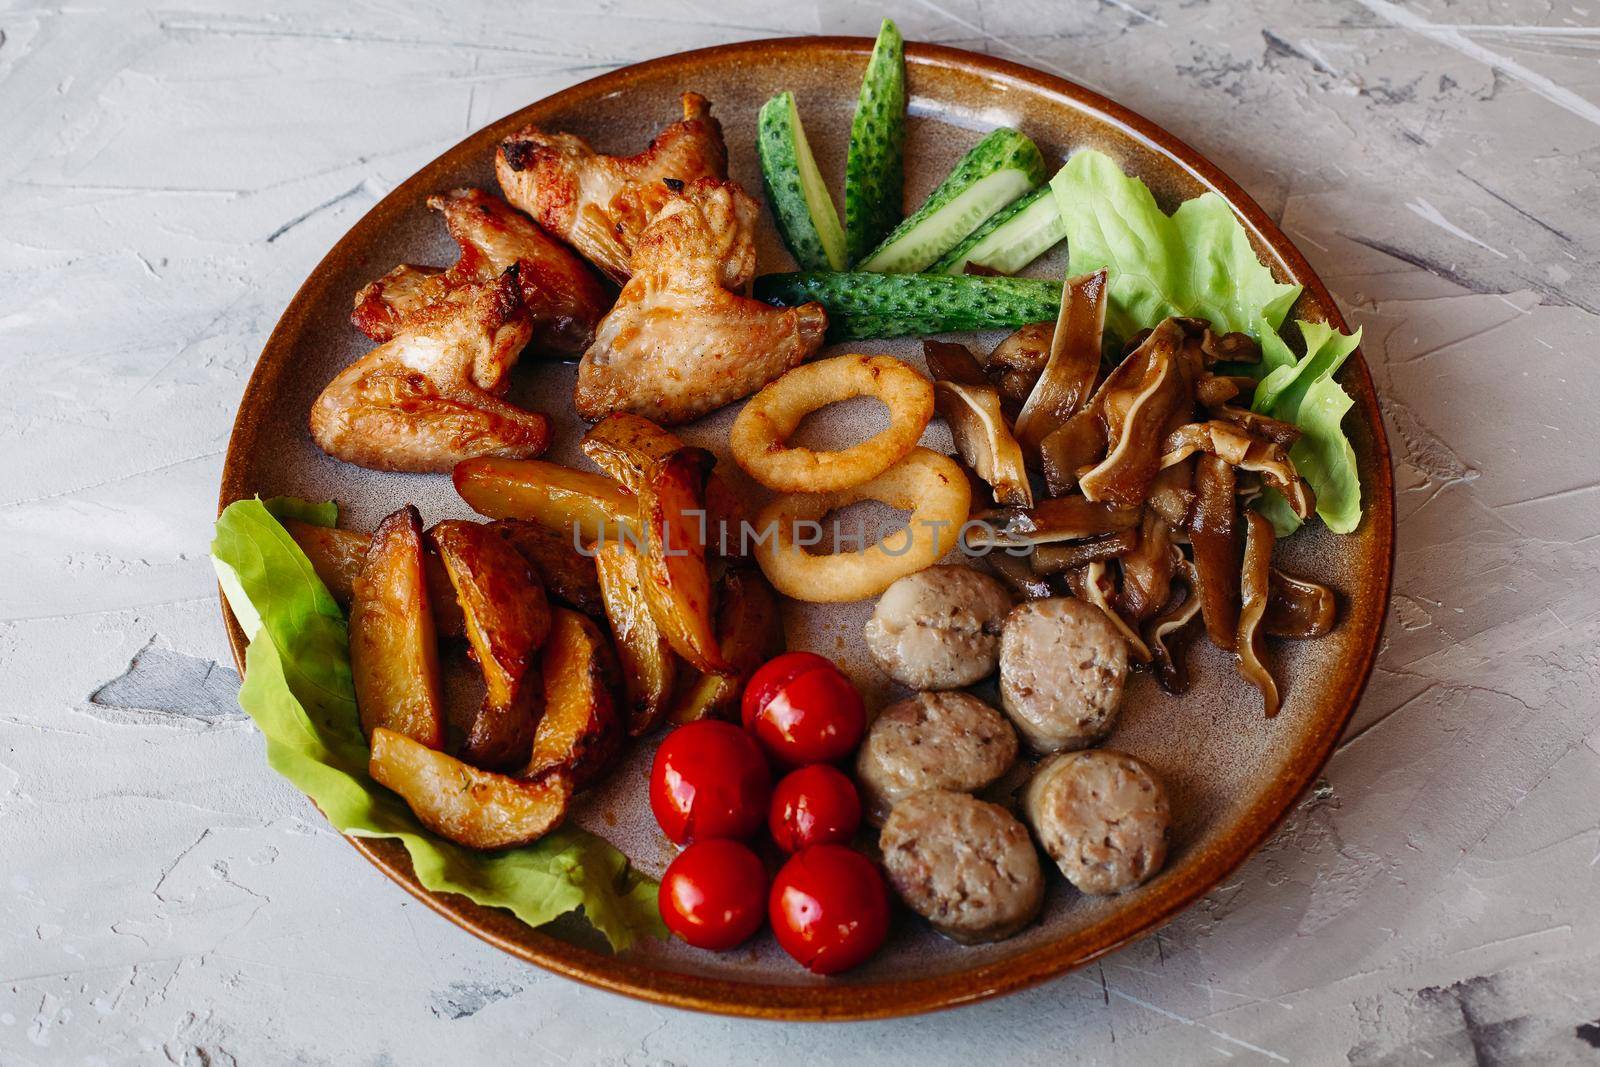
x=1232 y=775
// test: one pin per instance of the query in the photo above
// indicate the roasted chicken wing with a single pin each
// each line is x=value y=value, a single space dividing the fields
x=564 y=298
x=683 y=338
x=601 y=204
x=429 y=397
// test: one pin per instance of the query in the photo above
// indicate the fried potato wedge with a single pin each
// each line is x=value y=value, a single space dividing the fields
x=472 y=807
x=672 y=569
x=394 y=655
x=629 y=447
x=337 y=555
x=554 y=496
x=648 y=665
x=750 y=632
x=507 y=621
x=569 y=576
x=581 y=731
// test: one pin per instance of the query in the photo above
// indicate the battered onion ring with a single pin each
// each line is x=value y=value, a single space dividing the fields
x=760 y=433
x=925 y=483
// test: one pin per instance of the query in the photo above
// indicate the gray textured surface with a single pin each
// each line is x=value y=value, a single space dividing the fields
x=171 y=173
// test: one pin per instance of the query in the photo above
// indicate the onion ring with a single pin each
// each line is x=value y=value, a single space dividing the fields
x=760 y=433
x=932 y=487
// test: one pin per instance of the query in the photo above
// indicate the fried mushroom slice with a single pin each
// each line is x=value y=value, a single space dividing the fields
x=951 y=741
x=684 y=338
x=965 y=865
x=1103 y=816
x=428 y=399
x=601 y=204
x=1256 y=577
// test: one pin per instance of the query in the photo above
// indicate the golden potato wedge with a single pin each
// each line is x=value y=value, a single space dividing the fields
x=648 y=665
x=472 y=807
x=569 y=576
x=507 y=620
x=447 y=617
x=337 y=555
x=394 y=655
x=750 y=629
x=581 y=731
x=628 y=447
x=554 y=496
x=672 y=569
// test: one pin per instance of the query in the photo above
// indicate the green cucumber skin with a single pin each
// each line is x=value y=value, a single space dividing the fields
x=1010 y=240
x=863 y=305
x=780 y=174
x=874 y=172
x=1003 y=149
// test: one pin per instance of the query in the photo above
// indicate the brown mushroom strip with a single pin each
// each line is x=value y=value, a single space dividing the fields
x=1255 y=580
x=964 y=398
x=984 y=441
x=1167 y=661
x=1214 y=535
x=1016 y=363
x=1172 y=494
x=1076 y=446
x=1067 y=381
x=1147 y=570
x=1097 y=590
x=1136 y=407
x=1229 y=348
x=1051 y=559
x=1018 y=576
x=1064 y=518
x=1253 y=422
x=1267 y=458
x=1298 y=608
x=1213 y=390
x=950 y=362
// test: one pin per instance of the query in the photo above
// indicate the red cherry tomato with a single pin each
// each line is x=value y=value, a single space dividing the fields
x=712 y=894
x=709 y=780
x=816 y=805
x=804 y=710
x=829 y=908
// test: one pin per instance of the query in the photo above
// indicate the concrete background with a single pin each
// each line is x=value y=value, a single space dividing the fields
x=170 y=173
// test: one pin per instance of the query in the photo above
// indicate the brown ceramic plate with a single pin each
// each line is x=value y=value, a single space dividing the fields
x=1232 y=775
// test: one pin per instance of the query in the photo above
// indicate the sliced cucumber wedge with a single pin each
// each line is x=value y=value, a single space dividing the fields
x=865 y=305
x=1012 y=239
x=1000 y=168
x=800 y=202
x=874 y=174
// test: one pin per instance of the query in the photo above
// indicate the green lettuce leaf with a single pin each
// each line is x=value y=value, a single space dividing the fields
x=298 y=689
x=1303 y=392
x=1198 y=261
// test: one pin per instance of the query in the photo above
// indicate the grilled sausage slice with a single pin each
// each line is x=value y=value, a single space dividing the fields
x=1062 y=666
x=1102 y=816
x=938 y=628
x=932 y=741
x=965 y=865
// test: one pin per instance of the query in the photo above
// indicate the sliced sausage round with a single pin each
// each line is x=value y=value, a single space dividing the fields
x=965 y=865
x=1062 y=665
x=948 y=741
x=938 y=628
x=1102 y=816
